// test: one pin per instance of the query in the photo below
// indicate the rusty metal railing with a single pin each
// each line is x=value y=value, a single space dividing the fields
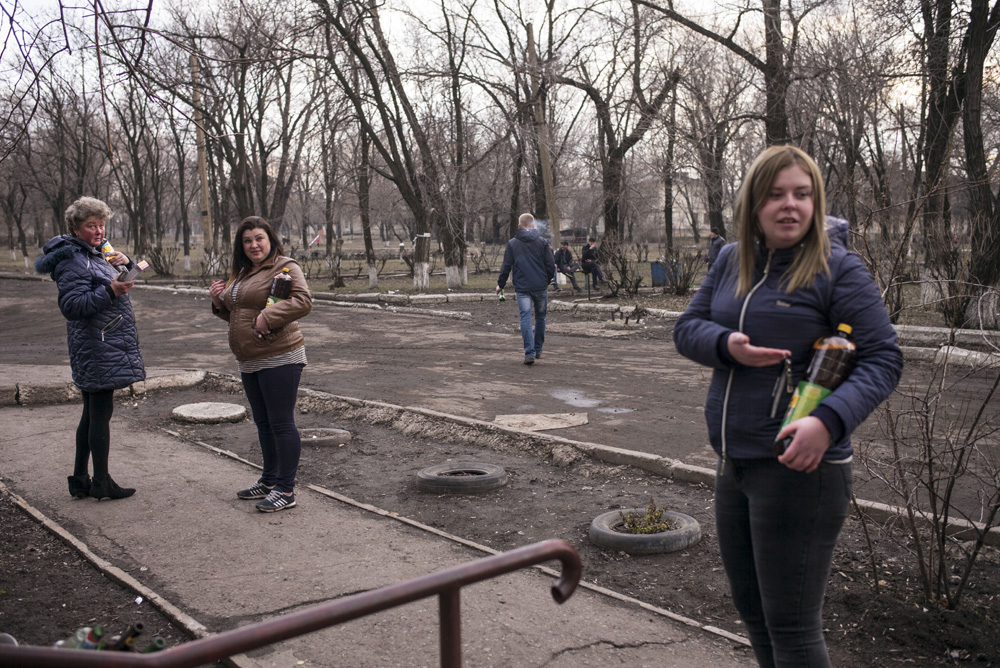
x=445 y=584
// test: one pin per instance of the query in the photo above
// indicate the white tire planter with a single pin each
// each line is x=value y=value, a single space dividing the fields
x=461 y=478
x=685 y=532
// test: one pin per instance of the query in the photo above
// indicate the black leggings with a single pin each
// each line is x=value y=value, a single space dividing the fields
x=93 y=435
x=272 y=394
x=777 y=531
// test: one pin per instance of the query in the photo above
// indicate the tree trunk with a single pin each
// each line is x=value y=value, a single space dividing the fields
x=364 y=207
x=984 y=235
x=775 y=75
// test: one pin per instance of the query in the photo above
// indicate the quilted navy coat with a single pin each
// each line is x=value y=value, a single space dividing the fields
x=103 y=342
x=738 y=405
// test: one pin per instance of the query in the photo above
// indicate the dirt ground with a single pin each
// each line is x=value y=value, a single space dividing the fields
x=542 y=499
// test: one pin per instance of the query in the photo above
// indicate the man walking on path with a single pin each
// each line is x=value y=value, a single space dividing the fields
x=529 y=257
x=565 y=264
x=714 y=246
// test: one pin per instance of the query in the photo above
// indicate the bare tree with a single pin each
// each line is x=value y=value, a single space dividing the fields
x=780 y=51
x=623 y=112
x=387 y=115
x=716 y=90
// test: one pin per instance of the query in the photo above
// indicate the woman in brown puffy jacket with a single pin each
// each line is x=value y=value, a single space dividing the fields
x=270 y=352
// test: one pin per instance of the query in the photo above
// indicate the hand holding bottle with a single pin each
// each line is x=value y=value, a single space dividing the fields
x=809 y=440
x=114 y=258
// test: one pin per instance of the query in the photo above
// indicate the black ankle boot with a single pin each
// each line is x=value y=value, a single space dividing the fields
x=109 y=489
x=79 y=485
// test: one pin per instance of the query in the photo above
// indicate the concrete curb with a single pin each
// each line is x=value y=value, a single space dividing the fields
x=28 y=394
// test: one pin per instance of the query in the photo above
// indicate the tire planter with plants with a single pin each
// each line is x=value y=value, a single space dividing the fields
x=461 y=478
x=684 y=531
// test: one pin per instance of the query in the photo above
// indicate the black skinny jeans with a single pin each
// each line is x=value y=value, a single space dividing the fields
x=93 y=434
x=272 y=394
x=777 y=531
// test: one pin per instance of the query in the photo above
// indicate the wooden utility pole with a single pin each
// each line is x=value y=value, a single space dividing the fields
x=542 y=139
x=206 y=216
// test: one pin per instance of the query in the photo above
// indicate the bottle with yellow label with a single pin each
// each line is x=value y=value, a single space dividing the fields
x=832 y=362
x=109 y=253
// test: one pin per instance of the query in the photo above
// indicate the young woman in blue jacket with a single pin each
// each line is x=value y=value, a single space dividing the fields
x=103 y=342
x=787 y=282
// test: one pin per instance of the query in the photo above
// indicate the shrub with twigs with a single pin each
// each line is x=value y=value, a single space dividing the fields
x=650 y=522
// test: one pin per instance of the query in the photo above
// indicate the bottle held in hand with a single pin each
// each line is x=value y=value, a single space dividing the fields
x=281 y=288
x=832 y=362
x=109 y=253
x=500 y=295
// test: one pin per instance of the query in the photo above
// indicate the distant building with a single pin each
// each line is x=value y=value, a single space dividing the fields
x=573 y=234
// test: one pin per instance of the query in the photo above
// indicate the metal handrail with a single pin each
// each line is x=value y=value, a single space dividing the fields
x=445 y=584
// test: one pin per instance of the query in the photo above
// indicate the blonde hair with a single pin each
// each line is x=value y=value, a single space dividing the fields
x=525 y=221
x=813 y=251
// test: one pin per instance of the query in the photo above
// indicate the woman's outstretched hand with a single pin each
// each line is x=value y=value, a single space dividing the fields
x=748 y=355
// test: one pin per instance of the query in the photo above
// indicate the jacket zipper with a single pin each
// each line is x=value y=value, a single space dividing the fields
x=729 y=383
x=111 y=325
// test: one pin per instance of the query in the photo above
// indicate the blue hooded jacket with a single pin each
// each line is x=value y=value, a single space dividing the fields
x=530 y=258
x=738 y=406
x=103 y=342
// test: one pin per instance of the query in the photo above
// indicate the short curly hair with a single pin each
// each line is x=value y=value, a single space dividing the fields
x=82 y=210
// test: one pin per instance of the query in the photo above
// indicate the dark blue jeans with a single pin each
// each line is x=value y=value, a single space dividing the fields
x=537 y=301
x=272 y=394
x=777 y=530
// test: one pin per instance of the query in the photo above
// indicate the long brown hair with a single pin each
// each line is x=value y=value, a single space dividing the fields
x=813 y=251
x=242 y=265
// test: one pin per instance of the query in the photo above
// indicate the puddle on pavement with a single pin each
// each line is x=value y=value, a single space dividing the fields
x=575 y=398
x=615 y=410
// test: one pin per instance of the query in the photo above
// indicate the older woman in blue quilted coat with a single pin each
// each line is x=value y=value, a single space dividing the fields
x=103 y=342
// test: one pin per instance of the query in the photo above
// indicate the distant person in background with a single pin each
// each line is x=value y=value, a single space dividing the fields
x=565 y=264
x=714 y=246
x=590 y=264
x=529 y=257
x=270 y=352
x=103 y=341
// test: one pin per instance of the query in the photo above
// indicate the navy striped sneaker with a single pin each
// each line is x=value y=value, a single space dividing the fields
x=255 y=491
x=276 y=501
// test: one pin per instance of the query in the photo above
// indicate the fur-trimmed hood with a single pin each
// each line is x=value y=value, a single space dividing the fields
x=58 y=249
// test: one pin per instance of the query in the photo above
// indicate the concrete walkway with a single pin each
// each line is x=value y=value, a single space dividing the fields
x=222 y=564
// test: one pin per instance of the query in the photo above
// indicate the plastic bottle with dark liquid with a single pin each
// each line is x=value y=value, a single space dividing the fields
x=281 y=288
x=832 y=362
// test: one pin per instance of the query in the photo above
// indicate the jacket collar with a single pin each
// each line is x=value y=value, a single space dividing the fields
x=780 y=261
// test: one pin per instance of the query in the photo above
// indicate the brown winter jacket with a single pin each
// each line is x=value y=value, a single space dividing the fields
x=281 y=317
